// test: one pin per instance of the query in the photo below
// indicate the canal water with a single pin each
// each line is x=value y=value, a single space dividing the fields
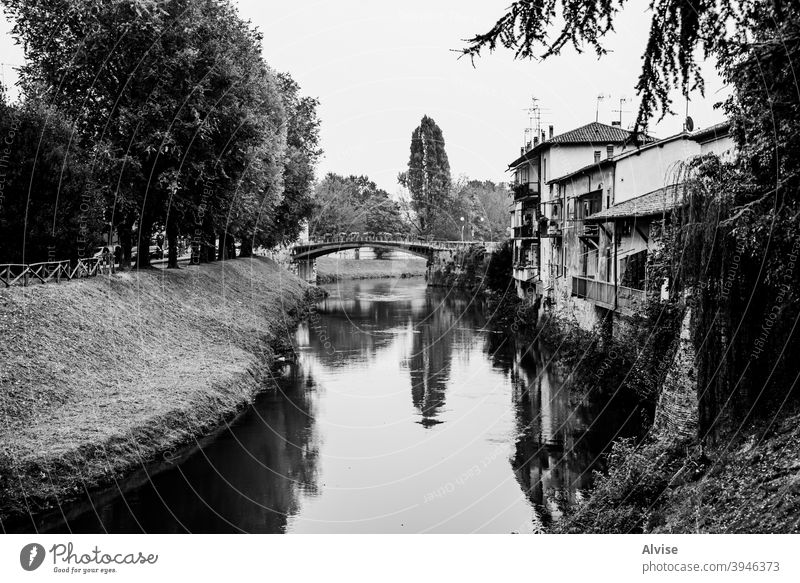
x=403 y=413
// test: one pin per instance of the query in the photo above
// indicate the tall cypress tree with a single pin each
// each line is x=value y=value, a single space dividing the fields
x=428 y=176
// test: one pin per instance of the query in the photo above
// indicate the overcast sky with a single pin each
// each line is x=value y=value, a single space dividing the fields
x=377 y=68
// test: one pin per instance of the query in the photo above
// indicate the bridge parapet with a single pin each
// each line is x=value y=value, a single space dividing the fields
x=306 y=254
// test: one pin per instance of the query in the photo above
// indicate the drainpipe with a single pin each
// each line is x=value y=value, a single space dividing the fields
x=614 y=242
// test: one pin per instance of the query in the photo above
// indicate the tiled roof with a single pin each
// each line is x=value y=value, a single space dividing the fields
x=653 y=203
x=591 y=133
x=714 y=132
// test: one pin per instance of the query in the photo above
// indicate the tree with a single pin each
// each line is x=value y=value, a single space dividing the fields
x=353 y=204
x=484 y=206
x=50 y=208
x=183 y=118
x=428 y=178
x=678 y=28
x=302 y=153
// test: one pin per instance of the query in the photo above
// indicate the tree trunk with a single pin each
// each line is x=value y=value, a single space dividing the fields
x=246 y=250
x=124 y=234
x=143 y=242
x=172 y=243
x=222 y=251
x=227 y=246
x=208 y=244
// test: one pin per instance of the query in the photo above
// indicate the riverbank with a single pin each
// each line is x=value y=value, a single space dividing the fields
x=331 y=269
x=663 y=481
x=101 y=376
x=747 y=484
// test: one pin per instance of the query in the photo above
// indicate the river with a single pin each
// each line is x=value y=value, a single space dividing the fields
x=403 y=413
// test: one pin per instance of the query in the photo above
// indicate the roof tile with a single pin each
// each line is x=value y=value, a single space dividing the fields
x=653 y=203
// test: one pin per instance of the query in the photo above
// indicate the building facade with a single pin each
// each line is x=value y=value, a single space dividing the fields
x=538 y=216
x=603 y=219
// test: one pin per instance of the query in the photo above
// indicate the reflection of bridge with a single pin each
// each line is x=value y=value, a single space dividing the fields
x=305 y=254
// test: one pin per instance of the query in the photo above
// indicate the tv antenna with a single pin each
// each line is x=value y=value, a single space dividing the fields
x=597 y=106
x=688 y=124
x=620 y=111
x=534 y=120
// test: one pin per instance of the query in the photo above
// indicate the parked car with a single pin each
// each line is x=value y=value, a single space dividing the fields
x=111 y=250
x=156 y=252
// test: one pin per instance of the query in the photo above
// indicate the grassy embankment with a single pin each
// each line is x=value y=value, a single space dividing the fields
x=330 y=269
x=101 y=375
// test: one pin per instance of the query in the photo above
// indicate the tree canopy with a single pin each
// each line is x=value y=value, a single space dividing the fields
x=185 y=125
x=428 y=178
x=683 y=33
x=344 y=204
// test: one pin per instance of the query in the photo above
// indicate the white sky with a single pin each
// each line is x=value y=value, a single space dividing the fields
x=377 y=68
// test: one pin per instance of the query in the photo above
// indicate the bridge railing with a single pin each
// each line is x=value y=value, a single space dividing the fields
x=409 y=240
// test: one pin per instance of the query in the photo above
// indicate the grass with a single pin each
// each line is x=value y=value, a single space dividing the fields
x=99 y=376
x=330 y=269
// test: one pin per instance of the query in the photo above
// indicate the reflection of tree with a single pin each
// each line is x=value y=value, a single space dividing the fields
x=431 y=355
x=356 y=325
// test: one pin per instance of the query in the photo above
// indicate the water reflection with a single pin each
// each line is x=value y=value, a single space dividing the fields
x=403 y=414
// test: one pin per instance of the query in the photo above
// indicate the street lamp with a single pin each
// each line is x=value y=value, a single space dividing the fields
x=462 y=229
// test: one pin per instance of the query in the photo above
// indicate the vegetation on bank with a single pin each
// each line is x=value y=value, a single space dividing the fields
x=101 y=375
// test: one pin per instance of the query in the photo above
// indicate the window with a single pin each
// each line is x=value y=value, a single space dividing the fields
x=609 y=151
x=544 y=169
x=632 y=270
x=596 y=156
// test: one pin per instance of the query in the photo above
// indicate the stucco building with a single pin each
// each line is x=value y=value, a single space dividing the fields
x=604 y=218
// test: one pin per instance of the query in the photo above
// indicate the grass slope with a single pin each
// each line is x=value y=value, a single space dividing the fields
x=98 y=376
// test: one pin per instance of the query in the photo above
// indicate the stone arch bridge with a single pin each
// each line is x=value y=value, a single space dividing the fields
x=304 y=255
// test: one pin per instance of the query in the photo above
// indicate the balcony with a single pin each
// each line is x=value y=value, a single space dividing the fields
x=555 y=228
x=524 y=232
x=525 y=271
x=606 y=294
x=525 y=191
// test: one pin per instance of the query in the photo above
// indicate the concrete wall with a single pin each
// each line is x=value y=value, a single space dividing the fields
x=651 y=168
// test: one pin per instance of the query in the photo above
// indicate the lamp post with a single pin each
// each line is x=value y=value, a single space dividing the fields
x=462 y=228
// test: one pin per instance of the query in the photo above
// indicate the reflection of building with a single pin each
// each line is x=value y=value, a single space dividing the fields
x=553 y=457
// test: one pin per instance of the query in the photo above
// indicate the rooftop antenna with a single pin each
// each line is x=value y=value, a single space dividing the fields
x=534 y=120
x=597 y=106
x=620 y=111
x=688 y=123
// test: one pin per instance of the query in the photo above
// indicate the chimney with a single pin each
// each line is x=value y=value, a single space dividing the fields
x=551 y=132
x=543 y=138
x=535 y=141
x=616 y=123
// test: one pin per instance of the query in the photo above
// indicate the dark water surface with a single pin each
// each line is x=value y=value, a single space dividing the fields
x=402 y=414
